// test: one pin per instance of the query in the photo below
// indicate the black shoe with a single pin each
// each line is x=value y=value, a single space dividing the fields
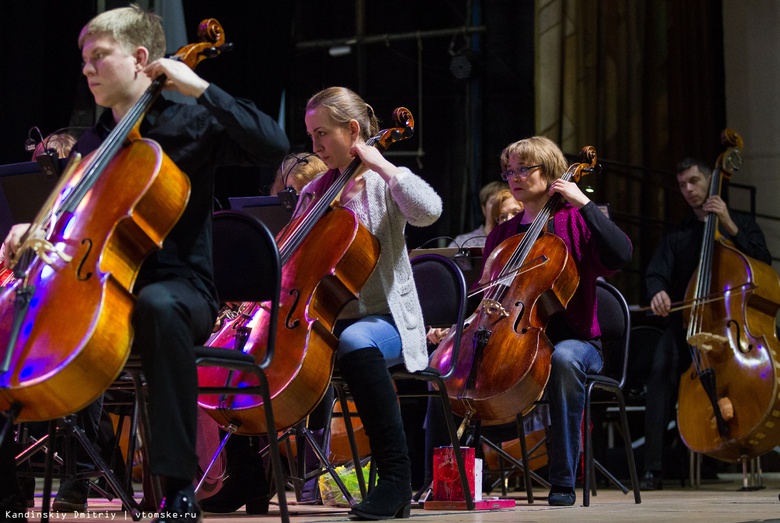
x=561 y=497
x=72 y=496
x=180 y=507
x=13 y=508
x=651 y=481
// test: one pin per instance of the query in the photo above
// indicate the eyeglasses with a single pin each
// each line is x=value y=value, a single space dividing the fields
x=522 y=172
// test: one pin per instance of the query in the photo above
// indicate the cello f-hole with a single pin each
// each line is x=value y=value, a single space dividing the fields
x=293 y=324
x=739 y=337
x=79 y=275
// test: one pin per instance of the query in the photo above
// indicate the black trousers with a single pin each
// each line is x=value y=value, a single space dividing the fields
x=670 y=360
x=170 y=317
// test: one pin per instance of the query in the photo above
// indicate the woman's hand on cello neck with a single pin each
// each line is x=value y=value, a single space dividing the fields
x=374 y=160
x=570 y=191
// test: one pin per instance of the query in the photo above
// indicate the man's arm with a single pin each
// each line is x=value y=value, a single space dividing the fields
x=749 y=238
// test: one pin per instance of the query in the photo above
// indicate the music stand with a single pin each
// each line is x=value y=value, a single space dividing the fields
x=267 y=209
x=24 y=188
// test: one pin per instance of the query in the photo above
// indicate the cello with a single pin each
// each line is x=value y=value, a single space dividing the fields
x=327 y=256
x=65 y=331
x=504 y=358
x=728 y=399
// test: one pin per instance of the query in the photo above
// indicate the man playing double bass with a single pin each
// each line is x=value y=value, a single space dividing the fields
x=671 y=268
x=122 y=51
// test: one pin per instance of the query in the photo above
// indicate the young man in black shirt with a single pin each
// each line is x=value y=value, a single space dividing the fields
x=176 y=303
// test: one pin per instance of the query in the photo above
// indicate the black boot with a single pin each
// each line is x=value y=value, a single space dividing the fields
x=372 y=390
x=245 y=483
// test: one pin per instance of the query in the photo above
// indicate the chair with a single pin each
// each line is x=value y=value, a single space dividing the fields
x=615 y=322
x=442 y=292
x=247 y=268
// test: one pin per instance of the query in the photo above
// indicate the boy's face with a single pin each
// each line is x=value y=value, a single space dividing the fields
x=111 y=71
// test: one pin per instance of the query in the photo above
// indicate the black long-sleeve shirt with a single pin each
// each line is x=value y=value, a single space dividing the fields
x=677 y=256
x=218 y=130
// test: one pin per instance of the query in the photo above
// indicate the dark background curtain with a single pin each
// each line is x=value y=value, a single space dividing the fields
x=640 y=81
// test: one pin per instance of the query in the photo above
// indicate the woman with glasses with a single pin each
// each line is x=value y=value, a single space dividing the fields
x=533 y=167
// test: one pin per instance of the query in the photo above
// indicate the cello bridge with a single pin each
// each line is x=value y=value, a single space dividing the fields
x=45 y=250
x=706 y=340
x=493 y=307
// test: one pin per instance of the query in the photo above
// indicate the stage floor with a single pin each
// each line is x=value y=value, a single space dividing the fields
x=715 y=501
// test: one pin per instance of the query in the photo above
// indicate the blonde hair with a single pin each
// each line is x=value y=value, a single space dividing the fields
x=131 y=27
x=344 y=105
x=61 y=143
x=537 y=150
x=296 y=171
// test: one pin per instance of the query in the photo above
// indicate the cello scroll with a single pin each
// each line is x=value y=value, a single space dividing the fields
x=404 y=129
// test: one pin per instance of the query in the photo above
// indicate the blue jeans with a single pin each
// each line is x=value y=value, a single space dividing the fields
x=372 y=331
x=572 y=360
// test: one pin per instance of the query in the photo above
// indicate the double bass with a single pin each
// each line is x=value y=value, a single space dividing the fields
x=728 y=405
x=65 y=331
x=327 y=256
x=504 y=359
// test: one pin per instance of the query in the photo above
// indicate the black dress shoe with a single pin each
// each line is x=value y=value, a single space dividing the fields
x=651 y=481
x=179 y=507
x=72 y=496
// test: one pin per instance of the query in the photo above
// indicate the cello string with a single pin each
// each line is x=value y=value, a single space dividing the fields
x=704 y=279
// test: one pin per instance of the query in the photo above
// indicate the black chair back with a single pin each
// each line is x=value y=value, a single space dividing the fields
x=441 y=288
x=615 y=322
x=247 y=265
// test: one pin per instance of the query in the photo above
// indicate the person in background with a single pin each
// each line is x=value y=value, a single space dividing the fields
x=534 y=167
x=61 y=143
x=384 y=326
x=504 y=207
x=667 y=276
x=122 y=51
x=476 y=238
x=296 y=170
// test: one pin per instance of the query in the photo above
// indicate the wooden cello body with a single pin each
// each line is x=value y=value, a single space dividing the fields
x=65 y=330
x=504 y=359
x=327 y=256
x=499 y=381
x=75 y=335
x=728 y=405
x=743 y=353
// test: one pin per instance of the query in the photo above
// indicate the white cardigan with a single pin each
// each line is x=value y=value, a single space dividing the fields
x=385 y=210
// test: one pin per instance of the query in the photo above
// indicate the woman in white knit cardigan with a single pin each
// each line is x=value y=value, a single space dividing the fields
x=384 y=327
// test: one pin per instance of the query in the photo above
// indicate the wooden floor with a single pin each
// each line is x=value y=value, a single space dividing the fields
x=715 y=501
